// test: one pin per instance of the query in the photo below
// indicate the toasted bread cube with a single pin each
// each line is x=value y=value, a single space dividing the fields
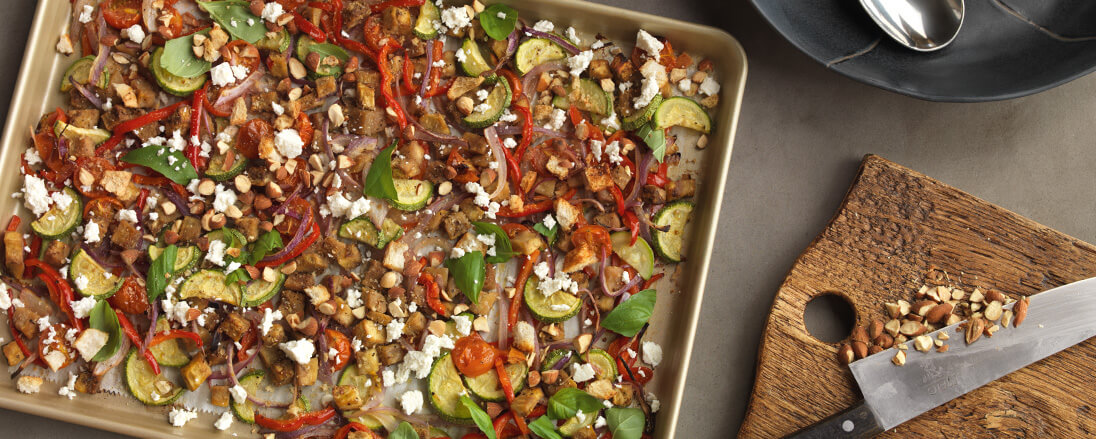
x=524 y=336
x=56 y=359
x=196 y=372
x=369 y=333
x=219 y=396
x=347 y=398
x=567 y=215
x=13 y=353
x=601 y=389
x=368 y=361
x=306 y=373
x=29 y=384
x=90 y=342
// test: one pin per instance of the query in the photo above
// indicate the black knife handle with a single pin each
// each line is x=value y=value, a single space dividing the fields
x=856 y=422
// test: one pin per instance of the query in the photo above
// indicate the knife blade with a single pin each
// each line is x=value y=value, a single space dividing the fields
x=1056 y=319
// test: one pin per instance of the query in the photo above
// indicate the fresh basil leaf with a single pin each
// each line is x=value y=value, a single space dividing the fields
x=569 y=401
x=160 y=271
x=498 y=21
x=378 y=182
x=404 y=431
x=504 y=250
x=267 y=243
x=625 y=423
x=328 y=49
x=480 y=417
x=655 y=139
x=549 y=234
x=179 y=60
x=630 y=316
x=165 y=160
x=102 y=317
x=238 y=276
x=468 y=272
x=544 y=428
x=236 y=18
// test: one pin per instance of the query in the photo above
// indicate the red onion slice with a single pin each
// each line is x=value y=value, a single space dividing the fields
x=566 y=45
x=500 y=158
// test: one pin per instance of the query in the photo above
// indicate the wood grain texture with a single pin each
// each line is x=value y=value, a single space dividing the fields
x=895 y=231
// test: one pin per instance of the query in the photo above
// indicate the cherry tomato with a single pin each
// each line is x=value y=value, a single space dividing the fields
x=121 y=14
x=340 y=343
x=56 y=343
x=130 y=298
x=290 y=224
x=304 y=128
x=241 y=53
x=591 y=235
x=252 y=133
x=473 y=356
x=643 y=374
x=291 y=5
x=172 y=26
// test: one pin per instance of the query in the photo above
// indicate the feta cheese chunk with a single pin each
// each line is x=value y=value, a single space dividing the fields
x=648 y=43
x=35 y=195
x=179 y=417
x=225 y=421
x=652 y=353
x=271 y=11
x=222 y=75
x=135 y=33
x=289 y=143
x=300 y=351
x=579 y=62
x=411 y=401
x=582 y=372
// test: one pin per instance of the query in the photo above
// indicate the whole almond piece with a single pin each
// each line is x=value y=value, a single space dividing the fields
x=922 y=343
x=899 y=358
x=860 y=334
x=874 y=350
x=911 y=328
x=845 y=354
x=892 y=327
x=903 y=307
x=994 y=295
x=922 y=307
x=875 y=329
x=974 y=329
x=892 y=310
x=860 y=349
x=1020 y=311
x=939 y=313
x=884 y=341
x=993 y=311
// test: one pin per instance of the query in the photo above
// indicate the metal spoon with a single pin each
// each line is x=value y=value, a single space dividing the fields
x=921 y=25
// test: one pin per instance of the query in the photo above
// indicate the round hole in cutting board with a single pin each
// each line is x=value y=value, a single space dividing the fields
x=829 y=317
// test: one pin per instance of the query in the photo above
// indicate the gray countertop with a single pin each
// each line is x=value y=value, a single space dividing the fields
x=802 y=133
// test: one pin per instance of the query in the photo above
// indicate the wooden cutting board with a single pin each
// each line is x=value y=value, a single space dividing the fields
x=895 y=231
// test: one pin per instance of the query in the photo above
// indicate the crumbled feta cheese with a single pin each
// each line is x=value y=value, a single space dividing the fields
x=81 y=282
x=613 y=151
x=91 y=232
x=572 y=35
x=652 y=353
x=69 y=390
x=224 y=198
x=456 y=17
x=5 y=297
x=340 y=206
x=501 y=15
x=395 y=330
x=709 y=87
x=579 y=62
x=685 y=85
x=82 y=308
x=298 y=350
x=135 y=33
x=269 y=317
x=278 y=109
x=355 y=344
x=580 y=417
x=482 y=198
x=127 y=215
x=597 y=45
x=507 y=116
x=177 y=142
x=611 y=123
x=271 y=11
x=411 y=401
x=354 y=298
x=225 y=421
x=558 y=118
x=289 y=143
x=600 y=422
x=649 y=91
x=108 y=105
x=544 y=26
x=216 y=253
x=482 y=108
x=482 y=94
x=649 y=44
x=85 y=13
x=32 y=157
x=35 y=195
x=433 y=345
x=461 y=56
x=509 y=143
x=464 y=324
x=221 y=74
x=653 y=401
x=179 y=417
x=239 y=72
x=582 y=372
x=549 y=221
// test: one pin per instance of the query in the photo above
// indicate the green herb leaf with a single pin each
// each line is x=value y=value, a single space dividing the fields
x=544 y=428
x=267 y=243
x=480 y=417
x=179 y=60
x=549 y=234
x=235 y=17
x=160 y=271
x=404 y=431
x=498 y=21
x=238 y=276
x=655 y=139
x=102 y=317
x=569 y=401
x=165 y=160
x=328 y=49
x=468 y=272
x=630 y=316
x=378 y=182
x=503 y=249
x=625 y=423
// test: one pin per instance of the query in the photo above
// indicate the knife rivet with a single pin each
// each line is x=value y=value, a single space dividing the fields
x=847 y=426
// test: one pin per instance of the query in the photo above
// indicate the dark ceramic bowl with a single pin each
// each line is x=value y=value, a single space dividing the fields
x=1005 y=49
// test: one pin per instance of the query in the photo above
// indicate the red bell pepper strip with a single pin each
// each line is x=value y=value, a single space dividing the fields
x=647 y=283
x=249 y=339
x=35 y=247
x=379 y=7
x=15 y=333
x=504 y=379
x=533 y=208
x=630 y=218
x=435 y=73
x=502 y=426
x=526 y=131
x=308 y=240
x=386 y=84
x=357 y=47
x=593 y=131
x=175 y=334
x=433 y=294
x=131 y=332
x=519 y=284
x=14 y=222
x=121 y=129
x=512 y=78
x=194 y=148
x=353 y=426
x=310 y=418
x=308 y=28
x=514 y=171
x=63 y=299
x=408 y=75
x=325 y=6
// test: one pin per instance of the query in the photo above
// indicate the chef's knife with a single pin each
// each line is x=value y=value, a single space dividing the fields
x=1056 y=319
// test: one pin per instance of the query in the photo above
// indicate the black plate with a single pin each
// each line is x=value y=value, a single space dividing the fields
x=1006 y=48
